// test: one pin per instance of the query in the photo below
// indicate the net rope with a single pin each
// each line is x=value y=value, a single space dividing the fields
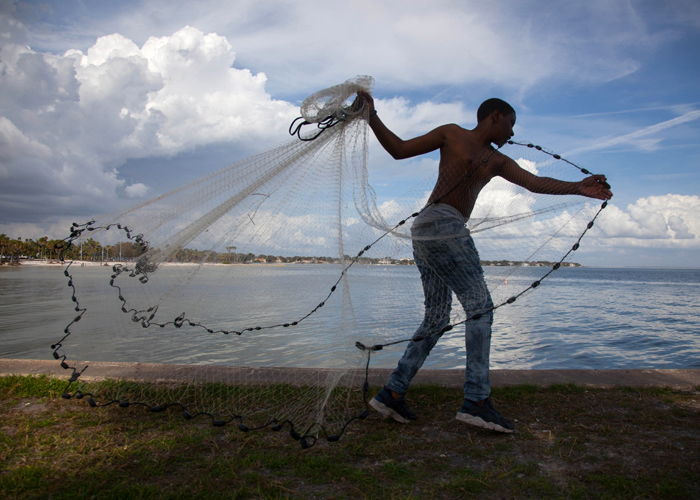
x=231 y=287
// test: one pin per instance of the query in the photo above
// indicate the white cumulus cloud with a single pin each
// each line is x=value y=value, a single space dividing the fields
x=669 y=220
x=137 y=190
x=70 y=121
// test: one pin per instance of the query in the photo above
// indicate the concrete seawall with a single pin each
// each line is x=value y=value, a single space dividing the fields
x=677 y=379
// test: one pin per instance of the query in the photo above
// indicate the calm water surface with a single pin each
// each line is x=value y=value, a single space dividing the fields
x=579 y=318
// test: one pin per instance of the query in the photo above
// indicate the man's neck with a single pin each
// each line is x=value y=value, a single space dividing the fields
x=482 y=135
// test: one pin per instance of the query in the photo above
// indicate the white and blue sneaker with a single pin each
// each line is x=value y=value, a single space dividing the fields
x=391 y=407
x=484 y=416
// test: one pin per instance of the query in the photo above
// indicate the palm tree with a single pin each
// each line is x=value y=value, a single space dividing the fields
x=228 y=258
x=16 y=246
x=51 y=247
x=4 y=243
x=42 y=244
x=31 y=248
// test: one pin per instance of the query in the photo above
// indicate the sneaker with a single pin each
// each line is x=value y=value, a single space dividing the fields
x=484 y=416
x=390 y=407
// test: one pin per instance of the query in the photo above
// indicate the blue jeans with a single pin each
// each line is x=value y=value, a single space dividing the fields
x=449 y=262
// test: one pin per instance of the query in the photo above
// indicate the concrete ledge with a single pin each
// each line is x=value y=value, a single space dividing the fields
x=677 y=379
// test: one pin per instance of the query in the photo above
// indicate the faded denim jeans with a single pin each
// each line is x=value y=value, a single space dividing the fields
x=449 y=262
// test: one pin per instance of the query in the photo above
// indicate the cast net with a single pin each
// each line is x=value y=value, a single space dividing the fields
x=261 y=294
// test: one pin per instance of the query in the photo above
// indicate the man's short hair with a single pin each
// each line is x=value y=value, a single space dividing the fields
x=490 y=105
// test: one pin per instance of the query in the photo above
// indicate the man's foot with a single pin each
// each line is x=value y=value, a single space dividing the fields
x=484 y=415
x=390 y=407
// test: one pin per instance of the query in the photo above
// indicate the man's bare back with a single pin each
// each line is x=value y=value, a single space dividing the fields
x=465 y=168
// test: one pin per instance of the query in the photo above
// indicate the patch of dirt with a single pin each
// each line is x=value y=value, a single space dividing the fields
x=29 y=406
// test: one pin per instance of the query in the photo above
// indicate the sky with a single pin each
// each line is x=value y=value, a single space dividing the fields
x=106 y=104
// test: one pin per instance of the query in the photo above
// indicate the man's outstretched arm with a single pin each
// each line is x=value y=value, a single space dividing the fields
x=394 y=145
x=595 y=186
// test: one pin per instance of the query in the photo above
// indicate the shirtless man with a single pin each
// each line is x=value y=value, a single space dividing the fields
x=445 y=254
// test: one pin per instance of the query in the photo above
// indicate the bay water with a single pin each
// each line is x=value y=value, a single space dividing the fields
x=580 y=318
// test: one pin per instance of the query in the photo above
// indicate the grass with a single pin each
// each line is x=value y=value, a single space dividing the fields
x=570 y=442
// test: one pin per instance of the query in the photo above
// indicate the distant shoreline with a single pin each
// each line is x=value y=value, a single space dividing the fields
x=55 y=263
x=87 y=263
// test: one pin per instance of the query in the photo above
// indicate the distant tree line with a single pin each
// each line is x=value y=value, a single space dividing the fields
x=231 y=257
x=12 y=250
x=522 y=263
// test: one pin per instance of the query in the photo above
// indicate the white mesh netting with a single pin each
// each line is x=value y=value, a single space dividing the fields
x=244 y=293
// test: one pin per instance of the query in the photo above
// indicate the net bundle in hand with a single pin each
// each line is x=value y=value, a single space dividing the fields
x=259 y=295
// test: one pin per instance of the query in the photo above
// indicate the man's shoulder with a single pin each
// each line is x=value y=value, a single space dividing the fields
x=497 y=155
x=454 y=128
x=500 y=161
x=453 y=132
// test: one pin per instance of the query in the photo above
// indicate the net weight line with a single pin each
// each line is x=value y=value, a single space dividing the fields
x=146 y=317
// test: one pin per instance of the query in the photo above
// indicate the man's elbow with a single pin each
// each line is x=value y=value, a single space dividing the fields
x=401 y=152
x=398 y=155
x=396 y=149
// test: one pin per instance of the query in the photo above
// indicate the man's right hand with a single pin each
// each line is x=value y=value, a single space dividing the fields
x=596 y=186
x=364 y=99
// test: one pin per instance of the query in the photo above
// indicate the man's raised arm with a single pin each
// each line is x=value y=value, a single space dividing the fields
x=394 y=145
x=594 y=186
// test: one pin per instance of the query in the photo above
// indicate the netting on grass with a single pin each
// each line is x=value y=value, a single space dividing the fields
x=260 y=295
